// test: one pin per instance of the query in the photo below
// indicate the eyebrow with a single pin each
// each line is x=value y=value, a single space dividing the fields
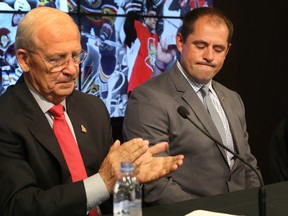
x=204 y=42
x=65 y=53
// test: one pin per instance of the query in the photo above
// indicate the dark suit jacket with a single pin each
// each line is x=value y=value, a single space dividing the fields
x=152 y=114
x=34 y=178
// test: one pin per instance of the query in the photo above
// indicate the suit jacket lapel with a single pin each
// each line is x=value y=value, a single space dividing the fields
x=43 y=132
x=82 y=131
x=197 y=111
x=79 y=124
x=230 y=117
x=39 y=126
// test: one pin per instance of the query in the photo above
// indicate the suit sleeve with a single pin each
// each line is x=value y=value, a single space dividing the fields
x=147 y=118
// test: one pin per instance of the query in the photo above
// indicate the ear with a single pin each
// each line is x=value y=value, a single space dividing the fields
x=23 y=59
x=179 y=42
x=228 y=48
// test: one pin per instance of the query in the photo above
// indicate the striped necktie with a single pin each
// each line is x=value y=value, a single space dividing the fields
x=217 y=121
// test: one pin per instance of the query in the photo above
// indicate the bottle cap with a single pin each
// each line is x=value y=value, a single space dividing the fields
x=126 y=167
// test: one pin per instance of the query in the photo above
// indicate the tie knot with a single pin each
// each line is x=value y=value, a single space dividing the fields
x=204 y=90
x=57 y=110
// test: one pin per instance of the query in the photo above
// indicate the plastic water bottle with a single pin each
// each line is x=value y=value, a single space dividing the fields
x=127 y=196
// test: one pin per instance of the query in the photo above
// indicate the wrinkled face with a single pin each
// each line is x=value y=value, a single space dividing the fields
x=52 y=70
x=204 y=51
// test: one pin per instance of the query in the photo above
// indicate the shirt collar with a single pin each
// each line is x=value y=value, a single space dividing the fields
x=195 y=85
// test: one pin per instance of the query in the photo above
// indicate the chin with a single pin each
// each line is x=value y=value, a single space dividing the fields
x=65 y=91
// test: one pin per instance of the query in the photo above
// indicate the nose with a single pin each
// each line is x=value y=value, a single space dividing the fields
x=208 y=54
x=70 y=67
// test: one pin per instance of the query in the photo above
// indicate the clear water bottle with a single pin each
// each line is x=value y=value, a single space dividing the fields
x=127 y=196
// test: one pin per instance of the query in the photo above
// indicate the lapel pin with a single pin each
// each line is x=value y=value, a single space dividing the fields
x=83 y=129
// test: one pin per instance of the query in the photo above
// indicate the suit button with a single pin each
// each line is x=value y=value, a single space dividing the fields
x=229 y=178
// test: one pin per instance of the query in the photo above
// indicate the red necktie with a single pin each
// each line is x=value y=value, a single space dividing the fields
x=69 y=147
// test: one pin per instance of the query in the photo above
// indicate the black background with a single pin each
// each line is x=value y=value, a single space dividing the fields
x=256 y=68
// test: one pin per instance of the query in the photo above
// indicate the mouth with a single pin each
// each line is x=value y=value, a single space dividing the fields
x=206 y=64
x=67 y=83
x=205 y=67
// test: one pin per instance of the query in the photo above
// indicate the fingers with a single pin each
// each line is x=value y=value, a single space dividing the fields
x=161 y=147
x=130 y=151
x=171 y=163
x=115 y=145
x=176 y=162
x=158 y=148
x=179 y=159
x=155 y=149
x=147 y=166
x=127 y=152
x=154 y=168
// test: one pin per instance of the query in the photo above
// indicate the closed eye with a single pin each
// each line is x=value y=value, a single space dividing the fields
x=200 y=44
x=54 y=60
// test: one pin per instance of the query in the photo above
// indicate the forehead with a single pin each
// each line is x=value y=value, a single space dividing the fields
x=60 y=37
x=211 y=27
x=151 y=13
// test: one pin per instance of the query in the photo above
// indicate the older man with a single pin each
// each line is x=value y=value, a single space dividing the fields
x=40 y=174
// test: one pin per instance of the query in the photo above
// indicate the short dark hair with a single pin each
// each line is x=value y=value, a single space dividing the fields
x=192 y=16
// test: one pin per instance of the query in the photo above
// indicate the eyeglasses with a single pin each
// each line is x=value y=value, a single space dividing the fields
x=58 y=62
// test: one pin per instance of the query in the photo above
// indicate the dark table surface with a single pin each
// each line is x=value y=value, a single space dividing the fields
x=239 y=203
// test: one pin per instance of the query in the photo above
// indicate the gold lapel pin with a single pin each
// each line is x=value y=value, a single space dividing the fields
x=83 y=129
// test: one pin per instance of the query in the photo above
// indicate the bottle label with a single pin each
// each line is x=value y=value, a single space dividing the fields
x=125 y=208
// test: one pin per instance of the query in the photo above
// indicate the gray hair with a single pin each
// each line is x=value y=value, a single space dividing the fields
x=26 y=36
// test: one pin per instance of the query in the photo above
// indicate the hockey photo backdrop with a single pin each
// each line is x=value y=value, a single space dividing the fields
x=128 y=42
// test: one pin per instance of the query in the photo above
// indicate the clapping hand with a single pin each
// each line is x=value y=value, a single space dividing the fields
x=148 y=167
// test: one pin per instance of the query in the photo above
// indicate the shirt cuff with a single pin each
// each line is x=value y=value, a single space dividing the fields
x=96 y=191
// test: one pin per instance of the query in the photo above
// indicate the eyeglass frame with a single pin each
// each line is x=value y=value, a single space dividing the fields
x=58 y=66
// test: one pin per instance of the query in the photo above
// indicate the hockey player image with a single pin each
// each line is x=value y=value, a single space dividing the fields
x=10 y=70
x=99 y=74
x=142 y=42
